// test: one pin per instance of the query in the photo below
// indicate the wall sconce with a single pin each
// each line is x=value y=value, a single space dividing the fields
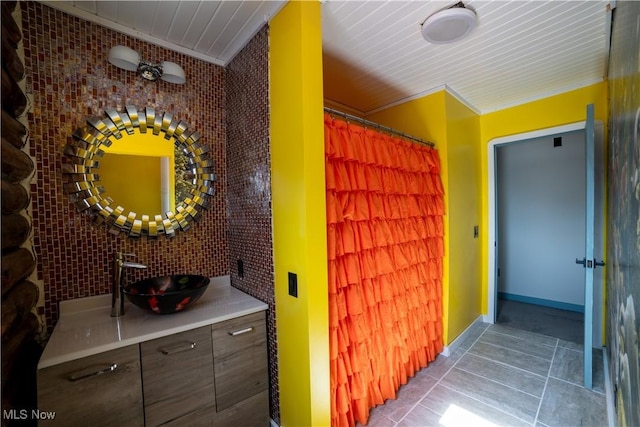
x=128 y=59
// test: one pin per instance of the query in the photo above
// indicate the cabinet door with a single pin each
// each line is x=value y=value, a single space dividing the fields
x=177 y=374
x=252 y=412
x=240 y=359
x=200 y=418
x=100 y=390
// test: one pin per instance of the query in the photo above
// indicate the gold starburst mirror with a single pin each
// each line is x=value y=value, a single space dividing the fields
x=138 y=172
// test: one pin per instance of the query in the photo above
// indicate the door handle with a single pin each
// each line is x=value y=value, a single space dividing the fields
x=178 y=348
x=589 y=263
x=76 y=376
x=241 y=331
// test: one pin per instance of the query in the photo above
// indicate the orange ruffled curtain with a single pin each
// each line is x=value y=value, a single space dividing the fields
x=385 y=247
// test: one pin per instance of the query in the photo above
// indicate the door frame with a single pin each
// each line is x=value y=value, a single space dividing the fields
x=492 y=147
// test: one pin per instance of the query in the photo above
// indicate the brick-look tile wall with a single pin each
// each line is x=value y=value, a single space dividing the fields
x=69 y=79
x=249 y=186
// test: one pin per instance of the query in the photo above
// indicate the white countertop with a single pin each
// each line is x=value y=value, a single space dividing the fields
x=86 y=327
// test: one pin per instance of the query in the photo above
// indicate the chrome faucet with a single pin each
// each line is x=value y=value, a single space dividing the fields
x=117 y=295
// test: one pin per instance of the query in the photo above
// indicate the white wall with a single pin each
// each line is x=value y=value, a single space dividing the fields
x=541 y=218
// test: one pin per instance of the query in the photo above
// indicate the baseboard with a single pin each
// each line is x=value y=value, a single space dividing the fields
x=608 y=387
x=273 y=423
x=449 y=349
x=487 y=319
x=541 y=301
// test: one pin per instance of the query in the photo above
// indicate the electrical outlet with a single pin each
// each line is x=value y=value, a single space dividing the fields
x=240 y=268
x=293 y=284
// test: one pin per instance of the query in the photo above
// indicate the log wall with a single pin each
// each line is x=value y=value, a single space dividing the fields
x=20 y=325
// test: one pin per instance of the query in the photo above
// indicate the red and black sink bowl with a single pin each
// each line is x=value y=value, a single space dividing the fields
x=166 y=294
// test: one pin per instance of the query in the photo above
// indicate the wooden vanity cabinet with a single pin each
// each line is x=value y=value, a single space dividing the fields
x=177 y=375
x=215 y=375
x=241 y=371
x=100 y=390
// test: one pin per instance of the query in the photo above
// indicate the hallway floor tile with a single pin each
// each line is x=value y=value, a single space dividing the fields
x=500 y=377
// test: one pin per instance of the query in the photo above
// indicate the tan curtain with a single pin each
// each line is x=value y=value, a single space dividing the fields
x=385 y=247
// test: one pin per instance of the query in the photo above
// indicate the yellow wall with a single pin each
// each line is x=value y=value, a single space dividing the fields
x=133 y=182
x=132 y=177
x=465 y=254
x=565 y=108
x=424 y=118
x=299 y=219
x=141 y=144
x=455 y=129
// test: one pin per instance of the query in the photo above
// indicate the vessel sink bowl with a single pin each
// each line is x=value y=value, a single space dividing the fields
x=166 y=294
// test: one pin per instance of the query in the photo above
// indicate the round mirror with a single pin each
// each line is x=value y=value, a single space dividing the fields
x=153 y=178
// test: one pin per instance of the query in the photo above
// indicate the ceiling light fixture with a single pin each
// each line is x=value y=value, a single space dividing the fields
x=128 y=59
x=449 y=24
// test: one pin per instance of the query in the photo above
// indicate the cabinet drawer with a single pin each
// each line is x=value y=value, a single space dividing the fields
x=240 y=359
x=177 y=373
x=100 y=390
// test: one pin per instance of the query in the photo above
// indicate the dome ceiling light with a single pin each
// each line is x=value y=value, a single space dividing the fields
x=449 y=25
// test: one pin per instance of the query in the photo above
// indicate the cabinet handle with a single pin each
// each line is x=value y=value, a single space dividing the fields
x=178 y=348
x=241 y=331
x=82 y=375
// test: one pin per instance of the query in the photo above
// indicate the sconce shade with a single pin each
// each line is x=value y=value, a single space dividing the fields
x=124 y=57
x=449 y=25
x=172 y=73
x=128 y=59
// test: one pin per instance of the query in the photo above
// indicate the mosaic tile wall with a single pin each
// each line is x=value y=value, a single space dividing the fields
x=623 y=233
x=249 y=186
x=69 y=79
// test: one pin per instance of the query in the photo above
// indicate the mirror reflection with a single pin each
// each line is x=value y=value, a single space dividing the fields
x=183 y=176
x=139 y=172
x=144 y=173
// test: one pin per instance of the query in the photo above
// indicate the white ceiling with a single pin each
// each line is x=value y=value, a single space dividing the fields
x=520 y=51
x=214 y=31
x=375 y=56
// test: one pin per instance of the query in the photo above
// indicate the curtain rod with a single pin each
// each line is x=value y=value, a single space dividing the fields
x=377 y=126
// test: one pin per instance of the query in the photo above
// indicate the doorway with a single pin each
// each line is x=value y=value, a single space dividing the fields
x=540 y=198
x=553 y=297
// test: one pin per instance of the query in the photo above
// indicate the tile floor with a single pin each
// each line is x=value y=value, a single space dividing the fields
x=500 y=377
x=563 y=324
